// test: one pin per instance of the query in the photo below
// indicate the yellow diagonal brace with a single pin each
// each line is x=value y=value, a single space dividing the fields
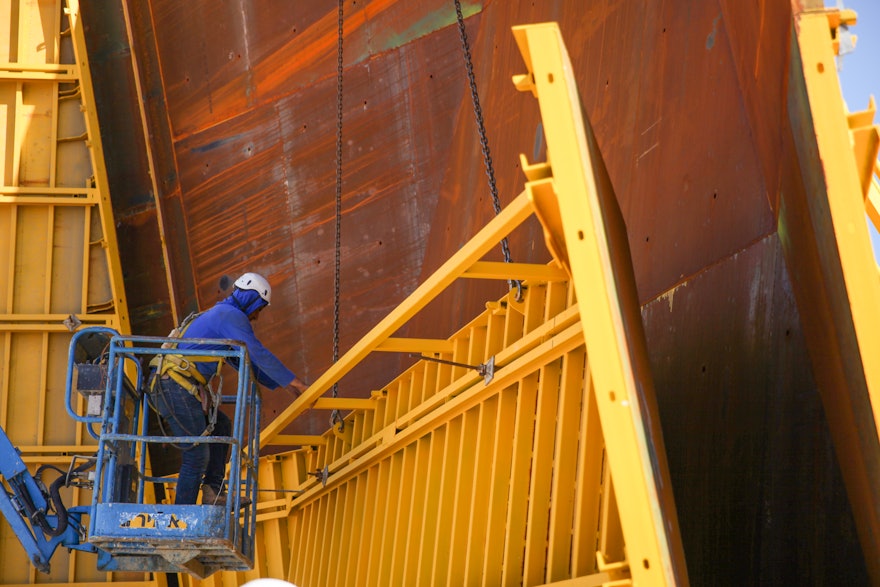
x=484 y=241
x=596 y=244
x=99 y=169
x=88 y=200
x=844 y=351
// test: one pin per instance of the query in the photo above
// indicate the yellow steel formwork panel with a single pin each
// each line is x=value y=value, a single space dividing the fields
x=59 y=266
x=452 y=476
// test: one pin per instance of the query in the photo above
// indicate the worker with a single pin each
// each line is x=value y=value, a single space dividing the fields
x=182 y=394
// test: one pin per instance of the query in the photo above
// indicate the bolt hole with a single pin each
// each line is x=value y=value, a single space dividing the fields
x=820 y=67
x=612 y=396
x=580 y=235
x=646 y=564
x=703 y=369
x=550 y=77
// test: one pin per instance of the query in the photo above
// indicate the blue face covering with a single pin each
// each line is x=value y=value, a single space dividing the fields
x=247 y=300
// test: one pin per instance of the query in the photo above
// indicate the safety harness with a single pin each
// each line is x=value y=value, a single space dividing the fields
x=182 y=370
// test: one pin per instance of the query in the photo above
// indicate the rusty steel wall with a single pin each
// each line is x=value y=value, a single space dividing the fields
x=688 y=101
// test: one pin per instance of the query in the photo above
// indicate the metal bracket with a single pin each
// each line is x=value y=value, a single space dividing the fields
x=321 y=474
x=487 y=369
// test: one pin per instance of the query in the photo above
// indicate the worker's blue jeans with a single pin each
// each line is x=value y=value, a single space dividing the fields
x=200 y=462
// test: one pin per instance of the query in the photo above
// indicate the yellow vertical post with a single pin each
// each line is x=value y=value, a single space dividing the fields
x=597 y=250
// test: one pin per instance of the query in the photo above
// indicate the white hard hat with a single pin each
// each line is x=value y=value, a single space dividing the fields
x=268 y=583
x=256 y=282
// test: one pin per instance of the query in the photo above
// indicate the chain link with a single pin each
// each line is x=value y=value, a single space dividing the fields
x=334 y=415
x=484 y=140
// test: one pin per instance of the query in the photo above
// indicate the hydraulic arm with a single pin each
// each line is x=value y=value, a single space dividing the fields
x=36 y=514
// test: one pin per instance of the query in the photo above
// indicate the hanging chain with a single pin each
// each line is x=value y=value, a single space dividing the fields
x=334 y=415
x=484 y=140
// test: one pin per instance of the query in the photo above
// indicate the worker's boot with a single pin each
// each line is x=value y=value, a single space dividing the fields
x=211 y=497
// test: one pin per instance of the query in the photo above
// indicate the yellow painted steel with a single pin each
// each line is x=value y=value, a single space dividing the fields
x=851 y=395
x=447 y=476
x=59 y=265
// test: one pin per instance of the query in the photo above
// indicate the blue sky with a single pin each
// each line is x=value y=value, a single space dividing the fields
x=859 y=71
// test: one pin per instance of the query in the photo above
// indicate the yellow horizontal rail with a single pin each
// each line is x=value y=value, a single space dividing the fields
x=519 y=271
x=415 y=345
x=70 y=449
x=300 y=440
x=46 y=190
x=343 y=403
x=53 y=322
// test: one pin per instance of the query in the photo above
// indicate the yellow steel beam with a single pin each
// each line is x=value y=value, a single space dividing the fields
x=595 y=241
x=521 y=271
x=415 y=345
x=65 y=68
x=67 y=449
x=300 y=440
x=32 y=76
x=845 y=345
x=71 y=201
x=54 y=190
x=343 y=403
x=53 y=322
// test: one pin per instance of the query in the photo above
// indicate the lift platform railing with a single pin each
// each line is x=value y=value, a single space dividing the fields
x=146 y=536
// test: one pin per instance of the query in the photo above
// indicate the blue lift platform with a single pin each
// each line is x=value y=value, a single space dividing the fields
x=124 y=530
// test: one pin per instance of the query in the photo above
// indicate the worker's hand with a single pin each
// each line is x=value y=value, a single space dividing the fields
x=297 y=386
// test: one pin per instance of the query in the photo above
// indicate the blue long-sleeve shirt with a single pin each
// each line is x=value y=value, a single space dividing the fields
x=226 y=320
